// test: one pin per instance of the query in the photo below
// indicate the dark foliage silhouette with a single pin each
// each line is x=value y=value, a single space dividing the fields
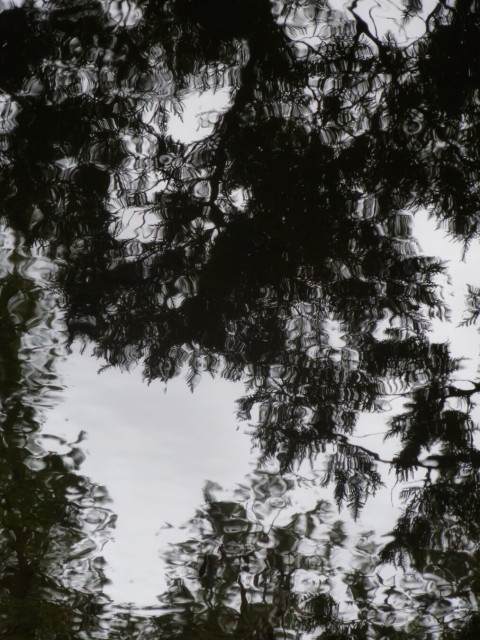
x=53 y=521
x=278 y=248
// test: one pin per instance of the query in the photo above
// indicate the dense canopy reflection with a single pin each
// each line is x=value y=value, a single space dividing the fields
x=276 y=249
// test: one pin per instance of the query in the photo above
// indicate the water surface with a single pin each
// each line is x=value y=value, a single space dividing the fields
x=260 y=221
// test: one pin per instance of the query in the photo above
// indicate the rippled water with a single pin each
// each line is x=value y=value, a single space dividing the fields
x=239 y=306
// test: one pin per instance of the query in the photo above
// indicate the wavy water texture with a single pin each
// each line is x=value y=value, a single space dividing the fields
x=274 y=246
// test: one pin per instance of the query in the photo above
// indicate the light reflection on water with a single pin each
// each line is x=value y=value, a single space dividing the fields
x=153 y=446
x=267 y=235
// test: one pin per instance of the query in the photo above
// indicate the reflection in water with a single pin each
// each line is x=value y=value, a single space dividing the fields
x=255 y=566
x=153 y=447
x=277 y=250
x=53 y=521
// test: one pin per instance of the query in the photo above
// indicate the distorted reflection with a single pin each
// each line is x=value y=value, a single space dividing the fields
x=253 y=566
x=272 y=245
x=53 y=521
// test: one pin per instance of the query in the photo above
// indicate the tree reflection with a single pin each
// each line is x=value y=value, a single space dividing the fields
x=255 y=566
x=277 y=249
x=53 y=521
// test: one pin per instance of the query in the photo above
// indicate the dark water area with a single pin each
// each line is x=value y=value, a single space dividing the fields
x=273 y=205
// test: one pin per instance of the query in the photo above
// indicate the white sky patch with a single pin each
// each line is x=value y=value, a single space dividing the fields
x=383 y=16
x=136 y=224
x=6 y=5
x=464 y=341
x=201 y=112
x=123 y=12
x=153 y=448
